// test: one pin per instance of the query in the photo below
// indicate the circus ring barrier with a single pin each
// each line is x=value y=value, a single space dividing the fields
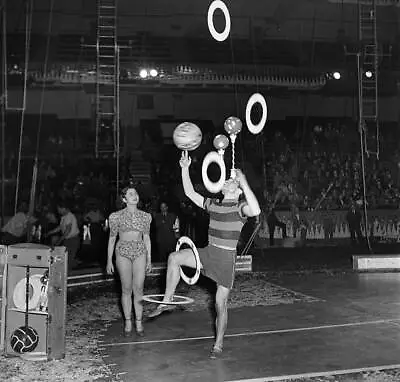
x=384 y=225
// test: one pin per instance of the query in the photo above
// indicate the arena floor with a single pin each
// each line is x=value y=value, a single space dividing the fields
x=344 y=324
x=303 y=315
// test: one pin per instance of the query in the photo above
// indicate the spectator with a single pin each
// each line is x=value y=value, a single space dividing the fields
x=167 y=231
x=69 y=230
x=273 y=221
x=353 y=218
x=16 y=229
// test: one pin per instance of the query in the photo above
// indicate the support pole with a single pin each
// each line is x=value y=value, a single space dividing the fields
x=363 y=148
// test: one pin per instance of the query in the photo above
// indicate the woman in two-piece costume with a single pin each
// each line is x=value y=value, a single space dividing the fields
x=132 y=255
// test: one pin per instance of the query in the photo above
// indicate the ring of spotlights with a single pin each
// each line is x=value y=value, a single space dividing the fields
x=256 y=98
x=219 y=36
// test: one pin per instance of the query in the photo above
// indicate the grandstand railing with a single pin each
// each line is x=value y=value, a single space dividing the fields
x=383 y=225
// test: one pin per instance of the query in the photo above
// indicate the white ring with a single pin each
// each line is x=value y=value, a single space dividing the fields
x=188 y=241
x=256 y=97
x=213 y=157
x=19 y=295
x=218 y=4
x=158 y=299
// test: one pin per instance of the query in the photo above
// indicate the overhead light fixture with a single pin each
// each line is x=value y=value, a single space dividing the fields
x=143 y=73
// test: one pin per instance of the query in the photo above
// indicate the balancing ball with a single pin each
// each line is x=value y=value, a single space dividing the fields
x=187 y=136
x=221 y=142
x=24 y=339
x=233 y=125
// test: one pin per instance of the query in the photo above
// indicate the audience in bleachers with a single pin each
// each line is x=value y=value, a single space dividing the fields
x=320 y=169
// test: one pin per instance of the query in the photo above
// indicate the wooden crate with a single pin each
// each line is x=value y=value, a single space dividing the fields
x=49 y=324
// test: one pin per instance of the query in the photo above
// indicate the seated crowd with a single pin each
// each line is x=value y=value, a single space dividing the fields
x=324 y=174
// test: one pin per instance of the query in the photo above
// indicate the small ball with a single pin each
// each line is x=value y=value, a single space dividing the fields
x=233 y=125
x=221 y=142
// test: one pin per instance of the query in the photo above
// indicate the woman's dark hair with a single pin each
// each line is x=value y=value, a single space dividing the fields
x=122 y=194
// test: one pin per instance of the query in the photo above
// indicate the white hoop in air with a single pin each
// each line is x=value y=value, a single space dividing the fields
x=256 y=98
x=189 y=280
x=218 y=4
x=213 y=157
x=19 y=294
x=176 y=300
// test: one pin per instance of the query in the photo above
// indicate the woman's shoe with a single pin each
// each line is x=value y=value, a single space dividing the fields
x=216 y=352
x=139 y=328
x=128 y=327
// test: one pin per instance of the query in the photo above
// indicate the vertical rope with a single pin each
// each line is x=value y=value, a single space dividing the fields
x=306 y=98
x=46 y=61
x=255 y=59
x=38 y=134
x=116 y=120
x=235 y=85
x=28 y=27
x=362 y=150
x=234 y=75
x=3 y=109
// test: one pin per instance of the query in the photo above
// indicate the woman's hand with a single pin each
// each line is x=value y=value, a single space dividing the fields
x=148 y=266
x=110 y=268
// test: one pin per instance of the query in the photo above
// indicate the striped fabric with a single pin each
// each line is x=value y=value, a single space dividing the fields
x=226 y=222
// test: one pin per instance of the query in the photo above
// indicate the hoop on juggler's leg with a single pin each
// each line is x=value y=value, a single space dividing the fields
x=186 y=257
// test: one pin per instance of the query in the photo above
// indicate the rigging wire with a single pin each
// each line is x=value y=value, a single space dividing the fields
x=363 y=149
x=3 y=106
x=235 y=89
x=262 y=136
x=259 y=219
x=39 y=130
x=45 y=67
x=306 y=97
x=28 y=30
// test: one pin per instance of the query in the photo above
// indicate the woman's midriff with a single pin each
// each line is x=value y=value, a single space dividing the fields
x=131 y=236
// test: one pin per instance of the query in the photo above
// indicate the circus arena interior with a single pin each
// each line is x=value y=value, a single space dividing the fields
x=92 y=92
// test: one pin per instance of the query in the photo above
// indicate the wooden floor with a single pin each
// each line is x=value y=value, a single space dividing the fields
x=355 y=325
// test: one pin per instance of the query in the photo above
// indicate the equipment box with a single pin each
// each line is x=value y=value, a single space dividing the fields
x=46 y=293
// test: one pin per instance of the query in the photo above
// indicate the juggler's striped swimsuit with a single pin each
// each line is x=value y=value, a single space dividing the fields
x=226 y=223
